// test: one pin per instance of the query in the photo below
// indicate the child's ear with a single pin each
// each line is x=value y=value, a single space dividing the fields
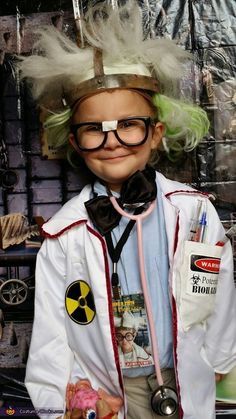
x=73 y=143
x=158 y=132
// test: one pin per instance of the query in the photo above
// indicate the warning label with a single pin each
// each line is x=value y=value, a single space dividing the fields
x=203 y=277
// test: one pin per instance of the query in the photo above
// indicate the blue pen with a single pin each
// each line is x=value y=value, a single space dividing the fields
x=195 y=221
x=199 y=237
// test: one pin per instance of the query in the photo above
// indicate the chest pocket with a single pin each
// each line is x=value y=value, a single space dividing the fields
x=199 y=272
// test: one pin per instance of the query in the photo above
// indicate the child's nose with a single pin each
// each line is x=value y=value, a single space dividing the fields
x=112 y=141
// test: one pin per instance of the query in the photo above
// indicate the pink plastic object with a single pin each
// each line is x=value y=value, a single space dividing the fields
x=84 y=399
x=138 y=219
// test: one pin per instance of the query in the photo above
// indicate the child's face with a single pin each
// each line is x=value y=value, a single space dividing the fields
x=125 y=338
x=115 y=163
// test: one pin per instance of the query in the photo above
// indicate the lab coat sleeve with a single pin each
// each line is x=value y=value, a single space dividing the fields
x=50 y=358
x=220 y=343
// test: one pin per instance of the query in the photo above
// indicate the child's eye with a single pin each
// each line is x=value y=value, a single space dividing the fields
x=92 y=128
x=128 y=124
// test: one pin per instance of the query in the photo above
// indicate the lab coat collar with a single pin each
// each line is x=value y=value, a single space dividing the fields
x=73 y=213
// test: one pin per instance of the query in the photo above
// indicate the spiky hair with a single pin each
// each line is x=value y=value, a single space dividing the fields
x=57 y=63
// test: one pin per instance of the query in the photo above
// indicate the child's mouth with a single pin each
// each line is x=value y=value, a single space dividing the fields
x=115 y=157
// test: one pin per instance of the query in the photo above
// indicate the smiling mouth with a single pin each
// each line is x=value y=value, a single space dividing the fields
x=115 y=157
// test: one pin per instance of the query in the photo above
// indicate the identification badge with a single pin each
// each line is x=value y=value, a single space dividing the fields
x=198 y=282
x=132 y=334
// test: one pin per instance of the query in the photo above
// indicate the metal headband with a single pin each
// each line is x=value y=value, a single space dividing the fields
x=103 y=81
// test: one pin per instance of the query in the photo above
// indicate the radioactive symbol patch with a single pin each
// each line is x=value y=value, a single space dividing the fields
x=79 y=302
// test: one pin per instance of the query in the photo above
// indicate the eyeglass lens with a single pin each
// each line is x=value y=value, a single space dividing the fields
x=129 y=132
x=128 y=336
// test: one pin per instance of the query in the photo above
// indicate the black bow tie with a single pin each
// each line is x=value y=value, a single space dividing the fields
x=140 y=188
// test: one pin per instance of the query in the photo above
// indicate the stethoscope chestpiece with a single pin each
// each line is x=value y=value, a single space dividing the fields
x=164 y=401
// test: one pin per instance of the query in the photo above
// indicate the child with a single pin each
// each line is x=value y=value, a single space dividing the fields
x=131 y=354
x=88 y=267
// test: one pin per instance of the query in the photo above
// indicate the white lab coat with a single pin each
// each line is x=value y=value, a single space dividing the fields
x=64 y=351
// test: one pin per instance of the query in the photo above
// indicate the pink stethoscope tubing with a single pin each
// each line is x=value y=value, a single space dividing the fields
x=138 y=219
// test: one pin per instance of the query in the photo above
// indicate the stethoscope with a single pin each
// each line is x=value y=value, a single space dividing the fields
x=164 y=400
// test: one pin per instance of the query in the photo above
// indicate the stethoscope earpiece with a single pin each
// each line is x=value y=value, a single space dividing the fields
x=164 y=401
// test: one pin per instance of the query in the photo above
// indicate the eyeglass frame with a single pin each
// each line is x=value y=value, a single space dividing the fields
x=124 y=337
x=148 y=120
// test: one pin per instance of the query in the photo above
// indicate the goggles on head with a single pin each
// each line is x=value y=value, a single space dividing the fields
x=102 y=81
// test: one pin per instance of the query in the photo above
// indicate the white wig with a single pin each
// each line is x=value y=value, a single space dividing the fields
x=58 y=64
x=129 y=321
x=58 y=68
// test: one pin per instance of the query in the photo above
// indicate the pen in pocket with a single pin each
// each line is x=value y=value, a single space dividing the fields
x=229 y=233
x=195 y=221
x=201 y=230
x=199 y=223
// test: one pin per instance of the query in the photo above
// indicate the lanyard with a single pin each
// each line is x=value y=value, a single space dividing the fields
x=115 y=252
x=138 y=218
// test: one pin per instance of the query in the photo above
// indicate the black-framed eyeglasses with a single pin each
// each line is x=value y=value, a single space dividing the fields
x=130 y=132
x=128 y=336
